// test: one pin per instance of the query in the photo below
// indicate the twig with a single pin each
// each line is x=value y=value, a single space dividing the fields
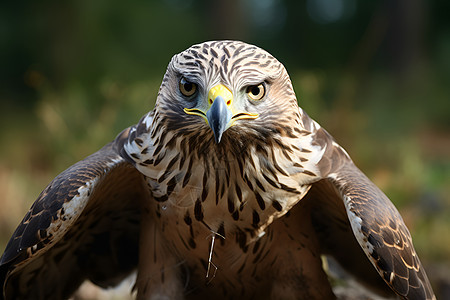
x=210 y=263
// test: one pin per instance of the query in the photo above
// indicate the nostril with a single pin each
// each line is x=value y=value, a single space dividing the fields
x=228 y=102
x=210 y=101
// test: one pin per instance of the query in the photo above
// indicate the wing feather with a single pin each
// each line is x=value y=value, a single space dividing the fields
x=375 y=222
x=86 y=220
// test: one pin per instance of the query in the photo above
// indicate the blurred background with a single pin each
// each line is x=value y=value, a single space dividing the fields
x=376 y=74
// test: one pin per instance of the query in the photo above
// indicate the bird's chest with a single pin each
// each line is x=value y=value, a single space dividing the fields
x=221 y=200
x=214 y=211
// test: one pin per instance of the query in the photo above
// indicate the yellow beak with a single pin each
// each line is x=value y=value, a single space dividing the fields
x=220 y=114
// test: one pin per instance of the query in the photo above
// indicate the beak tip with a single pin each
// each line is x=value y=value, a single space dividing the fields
x=218 y=138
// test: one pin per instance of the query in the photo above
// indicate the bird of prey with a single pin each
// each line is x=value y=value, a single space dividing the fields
x=227 y=189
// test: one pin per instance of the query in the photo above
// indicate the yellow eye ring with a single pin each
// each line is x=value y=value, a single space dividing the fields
x=187 y=88
x=256 y=92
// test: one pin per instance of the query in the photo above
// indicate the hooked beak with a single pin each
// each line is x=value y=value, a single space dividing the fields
x=220 y=115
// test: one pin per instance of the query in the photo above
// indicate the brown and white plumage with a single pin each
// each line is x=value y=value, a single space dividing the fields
x=226 y=160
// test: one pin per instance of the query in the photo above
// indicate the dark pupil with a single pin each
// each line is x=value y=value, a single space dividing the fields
x=188 y=86
x=255 y=90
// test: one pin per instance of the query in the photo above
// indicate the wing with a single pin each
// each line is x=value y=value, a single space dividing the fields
x=351 y=214
x=84 y=225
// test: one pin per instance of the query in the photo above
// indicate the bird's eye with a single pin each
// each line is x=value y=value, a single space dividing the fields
x=187 y=88
x=256 y=92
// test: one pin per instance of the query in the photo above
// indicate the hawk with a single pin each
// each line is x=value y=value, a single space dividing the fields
x=226 y=189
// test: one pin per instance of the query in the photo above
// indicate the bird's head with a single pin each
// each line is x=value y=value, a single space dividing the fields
x=226 y=86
